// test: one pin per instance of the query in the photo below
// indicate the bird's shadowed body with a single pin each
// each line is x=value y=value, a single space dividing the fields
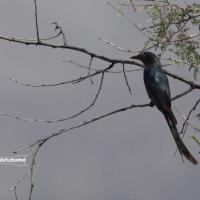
x=157 y=87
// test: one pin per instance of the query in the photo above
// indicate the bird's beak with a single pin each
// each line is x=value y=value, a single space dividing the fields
x=137 y=57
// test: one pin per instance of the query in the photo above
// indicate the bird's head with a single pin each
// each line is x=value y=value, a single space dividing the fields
x=148 y=58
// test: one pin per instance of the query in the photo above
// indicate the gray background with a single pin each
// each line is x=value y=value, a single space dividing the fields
x=127 y=156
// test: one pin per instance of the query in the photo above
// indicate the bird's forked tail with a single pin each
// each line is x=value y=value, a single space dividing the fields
x=181 y=146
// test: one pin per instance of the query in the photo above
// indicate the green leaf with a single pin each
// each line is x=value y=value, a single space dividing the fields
x=196 y=139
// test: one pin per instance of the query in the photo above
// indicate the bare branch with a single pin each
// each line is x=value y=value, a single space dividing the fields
x=183 y=93
x=65 y=82
x=88 y=122
x=84 y=123
x=115 y=61
x=40 y=142
x=77 y=114
x=17 y=183
x=191 y=83
x=41 y=39
x=130 y=20
x=89 y=69
x=95 y=70
x=61 y=32
x=33 y=163
x=129 y=89
x=131 y=1
x=65 y=118
x=184 y=118
x=73 y=48
x=189 y=114
x=15 y=192
x=117 y=47
x=36 y=22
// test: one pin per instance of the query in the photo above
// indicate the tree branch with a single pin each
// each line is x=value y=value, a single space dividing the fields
x=189 y=114
x=36 y=22
x=85 y=109
x=129 y=89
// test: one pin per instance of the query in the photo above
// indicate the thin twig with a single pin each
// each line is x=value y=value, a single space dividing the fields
x=125 y=77
x=92 y=120
x=88 y=122
x=33 y=164
x=189 y=114
x=103 y=58
x=95 y=70
x=184 y=130
x=130 y=20
x=64 y=82
x=66 y=130
x=132 y=5
x=77 y=114
x=61 y=32
x=65 y=118
x=89 y=70
x=184 y=118
x=70 y=47
x=117 y=47
x=17 y=183
x=183 y=93
x=175 y=76
x=15 y=193
x=36 y=22
x=41 y=39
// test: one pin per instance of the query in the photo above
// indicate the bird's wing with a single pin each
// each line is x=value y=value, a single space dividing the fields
x=157 y=87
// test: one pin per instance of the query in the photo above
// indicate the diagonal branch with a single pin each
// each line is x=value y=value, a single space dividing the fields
x=116 y=47
x=183 y=93
x=65 y=82
x=191 y=83
x=189 y=114
x=66 y=130
x=70 y=47
x=94 y=55
x=84 y=123
x=65 y=118
x=82 y=111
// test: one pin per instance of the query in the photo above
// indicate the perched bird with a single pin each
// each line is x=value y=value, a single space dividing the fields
x=157 y=87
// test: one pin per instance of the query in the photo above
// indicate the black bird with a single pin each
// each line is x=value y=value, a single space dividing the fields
x=157 y=87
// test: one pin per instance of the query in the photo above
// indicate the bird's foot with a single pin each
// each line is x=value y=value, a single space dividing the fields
x=152 y=104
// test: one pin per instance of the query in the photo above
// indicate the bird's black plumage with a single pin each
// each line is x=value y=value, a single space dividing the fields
x=157 y=87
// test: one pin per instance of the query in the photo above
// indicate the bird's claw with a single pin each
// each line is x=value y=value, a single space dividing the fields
x=151 y=104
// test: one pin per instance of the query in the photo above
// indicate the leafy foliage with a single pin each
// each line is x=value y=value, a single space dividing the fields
x=171 y=31
x=172 y=28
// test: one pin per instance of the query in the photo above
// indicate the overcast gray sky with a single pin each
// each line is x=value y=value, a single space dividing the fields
x=127 y=156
